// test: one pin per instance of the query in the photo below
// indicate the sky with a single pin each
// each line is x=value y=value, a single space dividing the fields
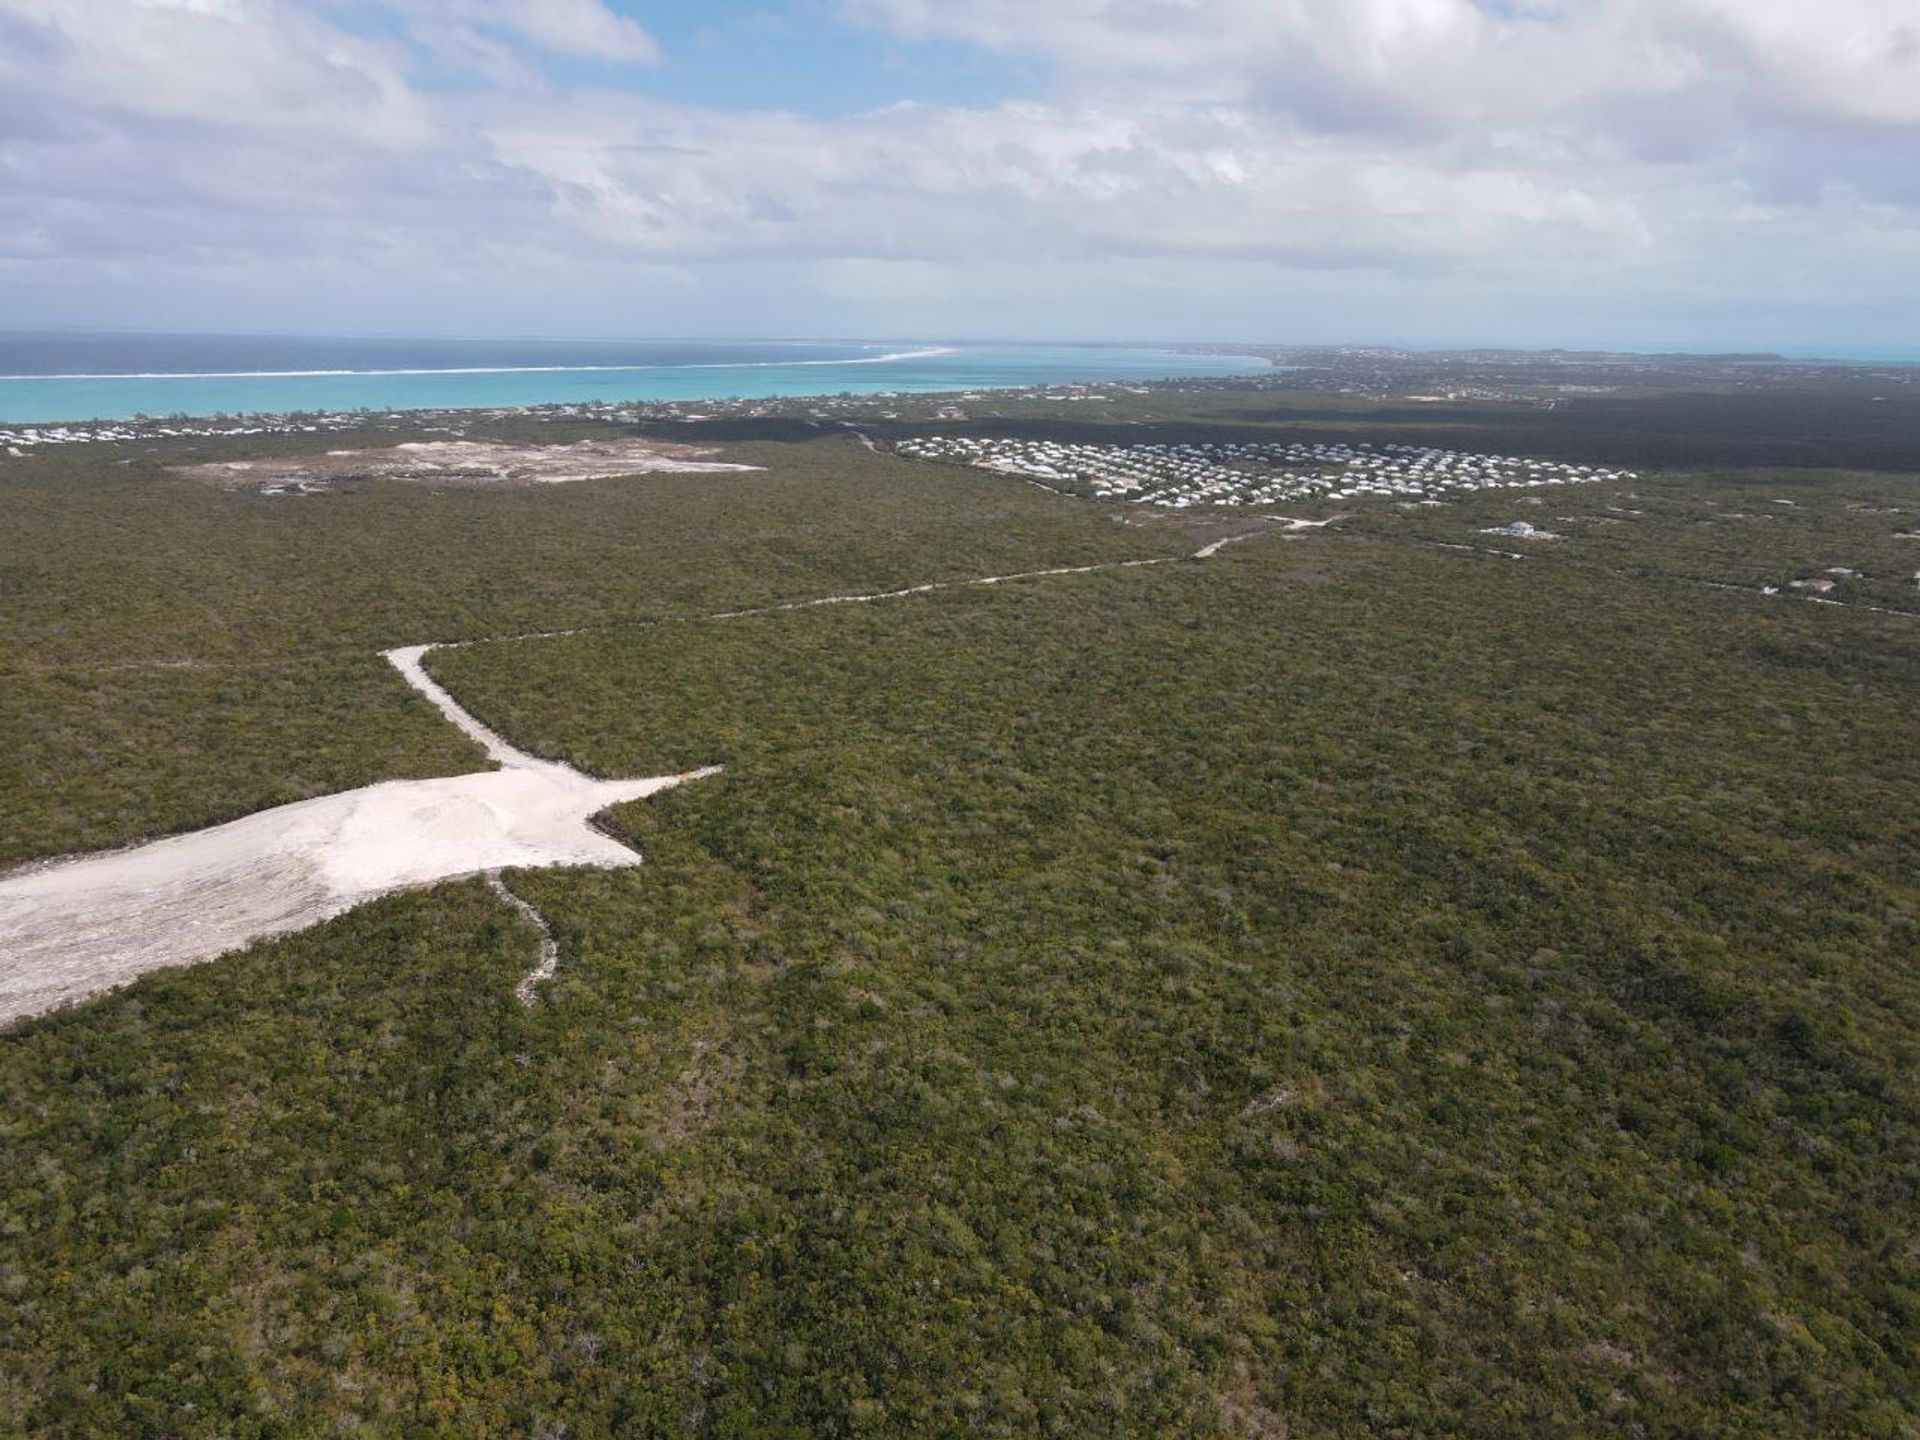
x=1630 y=173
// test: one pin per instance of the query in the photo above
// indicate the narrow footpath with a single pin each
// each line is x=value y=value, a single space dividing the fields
x=75 y=927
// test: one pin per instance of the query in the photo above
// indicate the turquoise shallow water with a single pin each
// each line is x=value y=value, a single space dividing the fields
x=265 y=379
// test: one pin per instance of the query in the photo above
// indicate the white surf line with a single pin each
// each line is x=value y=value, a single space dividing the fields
x=549 y=947
x=891 y=357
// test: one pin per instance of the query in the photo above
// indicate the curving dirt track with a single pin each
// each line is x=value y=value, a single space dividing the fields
x=72 y=928
x=75 y=927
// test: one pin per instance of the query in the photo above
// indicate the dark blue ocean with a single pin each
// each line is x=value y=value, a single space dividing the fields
x=85 y=377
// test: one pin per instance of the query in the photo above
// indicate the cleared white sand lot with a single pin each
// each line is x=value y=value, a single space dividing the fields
x=465 y=463
x=76 y=927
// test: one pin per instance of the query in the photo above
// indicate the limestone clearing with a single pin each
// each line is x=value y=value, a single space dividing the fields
x=75 y=927
x=464 y=463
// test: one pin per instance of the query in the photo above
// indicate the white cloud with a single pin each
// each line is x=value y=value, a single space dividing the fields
x=1459 y=62
x=577 y=27
x=490 y=28
x=916 y=182
x=260 y=67
x=1566 y=145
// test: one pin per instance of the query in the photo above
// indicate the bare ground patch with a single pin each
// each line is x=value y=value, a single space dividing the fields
x=1214 y=532
x=462 y=463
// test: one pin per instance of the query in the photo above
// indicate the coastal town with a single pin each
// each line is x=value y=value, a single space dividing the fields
x=19 y=439
x=1510 y=382
x=1257 y=473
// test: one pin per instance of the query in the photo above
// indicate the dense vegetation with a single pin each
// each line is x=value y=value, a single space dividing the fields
x=1346 y=987
x=1749 y=529
x=1852 y=419
x=171 y=655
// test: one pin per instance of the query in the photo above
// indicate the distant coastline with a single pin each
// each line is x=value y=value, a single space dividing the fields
x=476 y=369
x=40 y=383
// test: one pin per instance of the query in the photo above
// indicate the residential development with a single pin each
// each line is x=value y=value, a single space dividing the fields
x=1262 y=473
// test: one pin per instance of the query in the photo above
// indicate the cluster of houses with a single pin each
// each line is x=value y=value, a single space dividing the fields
x=1258 y=473
x=20 y=440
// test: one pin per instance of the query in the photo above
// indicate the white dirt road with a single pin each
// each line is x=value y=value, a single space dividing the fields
x=76 y=927
x=73 y=928
x=1285 y=524
x=549 y=947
